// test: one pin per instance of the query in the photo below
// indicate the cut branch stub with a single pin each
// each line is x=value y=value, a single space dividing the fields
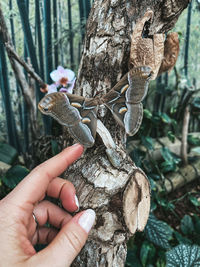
x=136 y=202
x=146 y=50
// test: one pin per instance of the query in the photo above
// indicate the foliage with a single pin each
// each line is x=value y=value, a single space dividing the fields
x=8 y=154
x=158 y=232
x=163 y=115
x=47 y=34
x=161 y=243
x=184 y=255
x=16 y=172
x=14 y=175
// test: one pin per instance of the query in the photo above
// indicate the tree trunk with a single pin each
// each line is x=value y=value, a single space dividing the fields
x=120 y=196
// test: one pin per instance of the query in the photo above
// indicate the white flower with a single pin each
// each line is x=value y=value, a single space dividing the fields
x=52 y=88
x=60 y=73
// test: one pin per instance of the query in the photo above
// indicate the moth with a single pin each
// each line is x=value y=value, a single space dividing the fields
x=79 y=114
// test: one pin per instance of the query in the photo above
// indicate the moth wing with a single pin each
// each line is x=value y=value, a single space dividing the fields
x=124 y=100
x=115 y=100
x=82 y=134
x=67 y=109
x=133 y=118
x=118 y=109
x=89 y=116
x=138 y=79
x=57 y=105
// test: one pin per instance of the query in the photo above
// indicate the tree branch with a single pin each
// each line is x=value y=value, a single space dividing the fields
x=27 y=67
x=27 y=91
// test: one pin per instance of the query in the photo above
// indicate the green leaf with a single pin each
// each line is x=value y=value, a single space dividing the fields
x=8 y=154
x=153 y=206
x=147 y=142
x=197 y=224
x=137 y=155
x=147 y=114
x=169 y=156
x=166 y=154
x=171 y=160
x=187 y=226
x=164 y=203
x=192 y=140
x=158 y=232
x=181 y=239
x=171 y=136
x=174 y=122
x=161 y=258
x=183 y=256
x=165 y=118
x=147 y=253
x=173 y=110
x=132 y=259
x=147 y=165
x=168 y=166
x=144 y=251
x=194 y=200
x=54 y=147
x=154 y=176
x=153 y=184
x=14 y=175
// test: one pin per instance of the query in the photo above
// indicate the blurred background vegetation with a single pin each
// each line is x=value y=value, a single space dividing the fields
x=50 y=33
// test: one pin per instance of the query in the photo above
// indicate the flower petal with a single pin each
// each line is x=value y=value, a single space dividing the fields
x=52 y=88
x=55 y=75
x=69 y=74
x=63 y=89
x=60 y=69
x=71 y=86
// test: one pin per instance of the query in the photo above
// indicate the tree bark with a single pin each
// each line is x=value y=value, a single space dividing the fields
x=119 y=195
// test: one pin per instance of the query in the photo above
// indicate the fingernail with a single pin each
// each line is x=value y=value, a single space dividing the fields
x=76 y=144
x=87 y=219
x=76 y=202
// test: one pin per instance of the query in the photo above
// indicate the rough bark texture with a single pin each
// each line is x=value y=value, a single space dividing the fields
x=99 y=185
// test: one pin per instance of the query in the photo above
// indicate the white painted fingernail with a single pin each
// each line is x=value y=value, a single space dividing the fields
x=76 y=144
x=76 y=202
x=87 y=219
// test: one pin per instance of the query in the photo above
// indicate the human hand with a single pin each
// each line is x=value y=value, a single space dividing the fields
x=19 y=231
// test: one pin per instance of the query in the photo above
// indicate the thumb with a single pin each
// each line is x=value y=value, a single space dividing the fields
x=68 y=242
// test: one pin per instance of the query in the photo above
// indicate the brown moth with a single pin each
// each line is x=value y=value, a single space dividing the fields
x=79 y=114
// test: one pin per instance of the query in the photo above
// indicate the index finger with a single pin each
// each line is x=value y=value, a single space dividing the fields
x=34 y=186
